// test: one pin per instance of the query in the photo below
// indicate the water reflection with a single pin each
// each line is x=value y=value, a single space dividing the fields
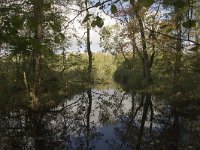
x=102 y=119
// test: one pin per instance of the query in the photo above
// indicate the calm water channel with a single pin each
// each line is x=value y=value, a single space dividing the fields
x=103 y=120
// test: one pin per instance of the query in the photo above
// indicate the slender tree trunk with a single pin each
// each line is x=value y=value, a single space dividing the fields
x=144 y=117
x=90 y=78
x=151 y=117
x=147 y=64
x=38 y=15
x=175 y=129
x=88 y=48
x=177 y=74
x=177 y=63
x=145 y=56
x=89 y=109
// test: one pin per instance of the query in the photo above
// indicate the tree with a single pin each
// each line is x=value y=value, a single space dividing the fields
x=31 y=32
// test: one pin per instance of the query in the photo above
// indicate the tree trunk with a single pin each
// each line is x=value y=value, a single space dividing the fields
x=177 y=63
x=144 y=117
x=89 y=109
x=147 y=64
x=145 y=57
x=38 y=15
x=90 y=78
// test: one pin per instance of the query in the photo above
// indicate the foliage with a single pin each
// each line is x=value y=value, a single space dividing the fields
x=152 y=53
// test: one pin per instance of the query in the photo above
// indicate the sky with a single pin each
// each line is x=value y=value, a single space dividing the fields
x=95 y=37
x=94 y=33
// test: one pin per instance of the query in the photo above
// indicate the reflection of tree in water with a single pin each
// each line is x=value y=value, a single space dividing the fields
x=64 y=127
x=154 y=125
x=78 y=124
x=29 y=129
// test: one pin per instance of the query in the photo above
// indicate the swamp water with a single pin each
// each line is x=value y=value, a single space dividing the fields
x=103 y=120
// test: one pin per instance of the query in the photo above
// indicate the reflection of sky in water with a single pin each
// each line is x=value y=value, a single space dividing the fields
x=118 y=117
x=108 y=129
x=110 y=123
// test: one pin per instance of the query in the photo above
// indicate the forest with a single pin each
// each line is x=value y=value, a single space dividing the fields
x=99 y=74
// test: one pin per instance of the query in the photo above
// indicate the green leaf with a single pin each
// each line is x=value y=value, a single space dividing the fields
x=56 y=26
x=17 y=22
x=189 y=24
x=113 y=9
x=93 y=24
x=99 y=22
x=47 y=7
x=31 y=22
x=62 y=36
x=146 y=3
x=87 y=17
x=36 y=45
x=57 y=39
x=180 y=4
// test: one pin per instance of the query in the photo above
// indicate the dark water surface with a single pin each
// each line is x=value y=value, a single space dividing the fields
x=103 y=120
